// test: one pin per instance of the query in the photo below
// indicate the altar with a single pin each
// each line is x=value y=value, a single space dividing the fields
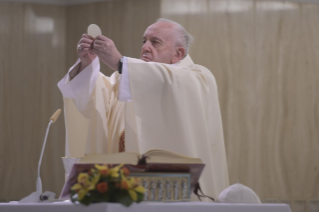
x=143 y=207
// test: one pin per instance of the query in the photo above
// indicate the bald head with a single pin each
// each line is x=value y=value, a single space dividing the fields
x=181 y=37
x=164 y=42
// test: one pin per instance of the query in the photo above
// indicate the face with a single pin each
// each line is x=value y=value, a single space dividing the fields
x=158 y=44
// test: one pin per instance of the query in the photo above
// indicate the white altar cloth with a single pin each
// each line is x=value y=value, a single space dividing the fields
x=144 y=207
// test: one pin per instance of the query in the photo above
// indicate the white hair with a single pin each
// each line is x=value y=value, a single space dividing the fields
x=182 y=37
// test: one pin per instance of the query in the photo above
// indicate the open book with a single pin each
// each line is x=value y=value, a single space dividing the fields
x=134 y=158
x=153 y=161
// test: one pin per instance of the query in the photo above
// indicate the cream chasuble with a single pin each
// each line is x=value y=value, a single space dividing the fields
x=174 y=107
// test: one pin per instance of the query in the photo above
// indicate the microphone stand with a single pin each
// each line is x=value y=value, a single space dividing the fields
x=39 y=182
x=38 y=196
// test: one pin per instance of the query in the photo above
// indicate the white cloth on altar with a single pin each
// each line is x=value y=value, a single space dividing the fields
x=144 y=207
x=174 y=107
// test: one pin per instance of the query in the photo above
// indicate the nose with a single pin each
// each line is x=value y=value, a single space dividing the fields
x=146 y=47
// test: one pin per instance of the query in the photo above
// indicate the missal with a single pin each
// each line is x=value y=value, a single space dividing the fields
x=167 y=176
x=134 y=158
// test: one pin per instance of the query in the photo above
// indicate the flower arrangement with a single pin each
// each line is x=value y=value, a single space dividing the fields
x=104 y=184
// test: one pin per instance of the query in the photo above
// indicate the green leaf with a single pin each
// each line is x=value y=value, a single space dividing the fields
x=125 y=200
x=96 y=196
x=86 y=200
x=140 y=197
x=106 y=197
x=73 y=197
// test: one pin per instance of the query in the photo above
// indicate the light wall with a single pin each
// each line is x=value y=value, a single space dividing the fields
x=32 y=60
x=264 y=55
x=123 y=21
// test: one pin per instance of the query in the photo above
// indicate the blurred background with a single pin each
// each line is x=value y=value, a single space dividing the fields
x=264 y=55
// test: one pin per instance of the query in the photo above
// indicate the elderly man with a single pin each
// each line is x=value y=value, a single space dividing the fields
x=162 y=100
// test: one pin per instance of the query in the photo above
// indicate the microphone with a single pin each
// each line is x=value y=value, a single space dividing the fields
x=55 y=116
x=38 y=196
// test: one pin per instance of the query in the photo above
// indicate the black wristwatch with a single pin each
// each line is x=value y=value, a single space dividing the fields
x=121 y=65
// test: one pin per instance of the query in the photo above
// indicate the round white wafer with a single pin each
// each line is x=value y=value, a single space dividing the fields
x=94 y=30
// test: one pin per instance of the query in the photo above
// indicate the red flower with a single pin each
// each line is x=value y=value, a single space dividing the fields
x=126 y=172
x=104 y=172
x=102 y=187
x=124 y=185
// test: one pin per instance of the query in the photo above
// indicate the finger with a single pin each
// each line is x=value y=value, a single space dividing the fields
x=97 y=46
x=102 y=37
x=86 y=40
x=84 y=45
x=87 y=36
x=99 y=42
x=84 y=50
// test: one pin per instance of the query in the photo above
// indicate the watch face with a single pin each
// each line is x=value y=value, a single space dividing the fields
x=121 y=65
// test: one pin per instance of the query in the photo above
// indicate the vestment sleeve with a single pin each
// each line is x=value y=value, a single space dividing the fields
x=124 y=89
x=177 y=109
x=81 y=87
x=93 y=114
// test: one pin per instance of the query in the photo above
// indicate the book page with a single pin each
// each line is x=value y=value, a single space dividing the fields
x=164 y=156
x=116 y=158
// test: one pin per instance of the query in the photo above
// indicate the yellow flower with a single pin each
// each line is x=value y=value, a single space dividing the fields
x=132 y=194
x=84 y=185
x=103 y=169
x=133 y=187
x=114 y=172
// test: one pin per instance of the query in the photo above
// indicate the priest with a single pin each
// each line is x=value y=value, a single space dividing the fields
x=162 y=100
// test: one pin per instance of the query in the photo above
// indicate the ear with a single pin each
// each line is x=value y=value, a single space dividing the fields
x=179 y=54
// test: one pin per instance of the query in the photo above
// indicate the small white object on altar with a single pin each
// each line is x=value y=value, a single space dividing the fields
x=238 y=193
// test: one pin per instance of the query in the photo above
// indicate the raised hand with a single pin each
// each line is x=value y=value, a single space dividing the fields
x=106 y=50
x=84 y=49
